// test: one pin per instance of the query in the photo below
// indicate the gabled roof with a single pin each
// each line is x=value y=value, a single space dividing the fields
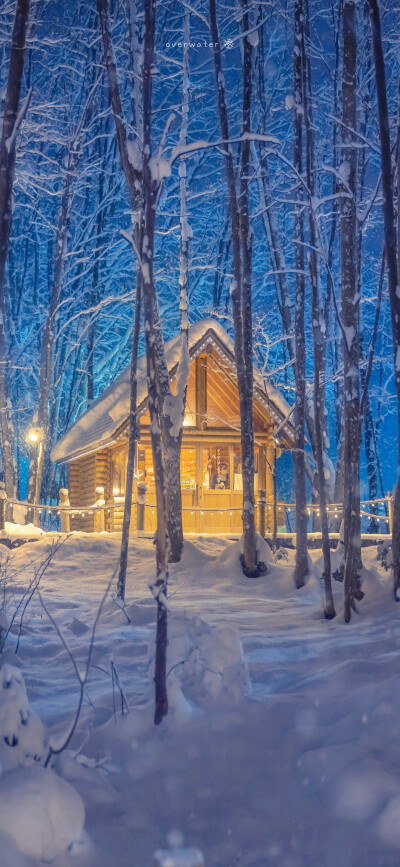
x=98 y=426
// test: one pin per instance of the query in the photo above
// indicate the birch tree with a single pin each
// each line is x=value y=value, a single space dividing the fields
x=171 y=407
x=350 y=311
x=301 y=517
x=41 y=418
x=241 y=285
x=12 y=119
x=392 y=262
x=150 y=192
x=318 y=322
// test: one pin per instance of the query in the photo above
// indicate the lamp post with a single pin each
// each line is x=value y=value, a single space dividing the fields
x=35 y=439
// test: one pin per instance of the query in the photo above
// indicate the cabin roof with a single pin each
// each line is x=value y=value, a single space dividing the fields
x=98 y=426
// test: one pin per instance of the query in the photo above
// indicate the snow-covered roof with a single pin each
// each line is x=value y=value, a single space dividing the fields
x=98 y=426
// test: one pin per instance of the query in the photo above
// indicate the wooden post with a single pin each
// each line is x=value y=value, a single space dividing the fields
x=141 y=502
x=269 y=485
x=262 y=505
x=63 y=501
x=390 y=508
x=99 y=514
x=3 y=500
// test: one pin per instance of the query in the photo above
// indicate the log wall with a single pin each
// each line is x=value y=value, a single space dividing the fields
x=85 y=475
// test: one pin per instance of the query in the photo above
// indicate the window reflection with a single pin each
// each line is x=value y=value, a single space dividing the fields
x=188 y=469
x=216 y=473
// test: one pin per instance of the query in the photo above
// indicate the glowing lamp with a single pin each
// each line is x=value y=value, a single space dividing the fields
x=34 y=435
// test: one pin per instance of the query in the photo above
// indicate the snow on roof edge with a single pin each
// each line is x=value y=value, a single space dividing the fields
x=97 y=426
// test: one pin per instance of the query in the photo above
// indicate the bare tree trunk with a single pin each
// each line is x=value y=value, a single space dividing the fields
x=11 y=123
x=301 y=517
x=350 y=314
x=172 y=432
x=49 y=330
x=150 y=189
x=171 y=443
x=133 y=437
x=249 y=554
x=241 y=286
x=133 y=422
x=318 y=328
x=97 y=268
x=272 y=232
x=391 y=253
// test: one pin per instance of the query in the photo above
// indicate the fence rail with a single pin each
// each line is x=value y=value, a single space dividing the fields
x=100 y=509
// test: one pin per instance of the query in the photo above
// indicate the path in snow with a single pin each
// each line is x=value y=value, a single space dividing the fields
x=306 y=771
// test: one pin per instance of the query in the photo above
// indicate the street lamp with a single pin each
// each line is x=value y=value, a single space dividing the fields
x=35 y=438
x=34 y=435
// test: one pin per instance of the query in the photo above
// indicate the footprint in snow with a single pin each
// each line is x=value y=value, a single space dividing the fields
x=77 y=627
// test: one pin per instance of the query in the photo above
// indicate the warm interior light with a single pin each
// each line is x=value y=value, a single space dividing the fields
x=186 y=421
x=116 y=491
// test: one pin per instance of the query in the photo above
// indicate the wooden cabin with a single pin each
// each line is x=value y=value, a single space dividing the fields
x=96 y=447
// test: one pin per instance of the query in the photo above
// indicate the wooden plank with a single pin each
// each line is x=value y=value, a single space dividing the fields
x=201 y=391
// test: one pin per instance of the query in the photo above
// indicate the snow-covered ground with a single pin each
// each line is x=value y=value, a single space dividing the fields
x=286 y=756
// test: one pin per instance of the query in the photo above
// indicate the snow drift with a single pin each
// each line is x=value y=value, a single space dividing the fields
x=41 y=815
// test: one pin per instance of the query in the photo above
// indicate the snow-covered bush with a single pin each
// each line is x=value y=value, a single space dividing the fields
x=281 y=555
x=40 y=813
x=205 y=665
x=384 y=555
x=21 y=730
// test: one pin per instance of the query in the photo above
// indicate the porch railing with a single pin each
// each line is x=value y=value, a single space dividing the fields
x=378 y=513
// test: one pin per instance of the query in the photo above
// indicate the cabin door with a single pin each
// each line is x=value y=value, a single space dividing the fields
x=220 y=489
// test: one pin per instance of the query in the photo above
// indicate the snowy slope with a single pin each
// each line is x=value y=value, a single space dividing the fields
x=293 y=762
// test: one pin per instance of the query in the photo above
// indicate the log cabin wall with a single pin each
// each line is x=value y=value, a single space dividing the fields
x=85 y=475
x=117 y=459
x=82 y=487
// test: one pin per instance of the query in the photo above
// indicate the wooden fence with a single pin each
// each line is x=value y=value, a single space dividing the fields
x=369 y=509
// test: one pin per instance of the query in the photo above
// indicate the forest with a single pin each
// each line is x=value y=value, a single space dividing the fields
x=165 y=163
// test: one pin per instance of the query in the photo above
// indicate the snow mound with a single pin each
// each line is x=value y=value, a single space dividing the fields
x=187 y=857
x=178 y=855
x=388 y=824
x=21 y=730
x=205 y=665
x=229 y=559
x=12 y=529
x=362 y=792
x=141 y=613
x=41 y=814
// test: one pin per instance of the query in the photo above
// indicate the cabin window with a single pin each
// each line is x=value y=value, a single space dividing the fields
x=119 y=459
x=237 y=468
x=145 y=466
x=216 y=468
x=188 y=469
